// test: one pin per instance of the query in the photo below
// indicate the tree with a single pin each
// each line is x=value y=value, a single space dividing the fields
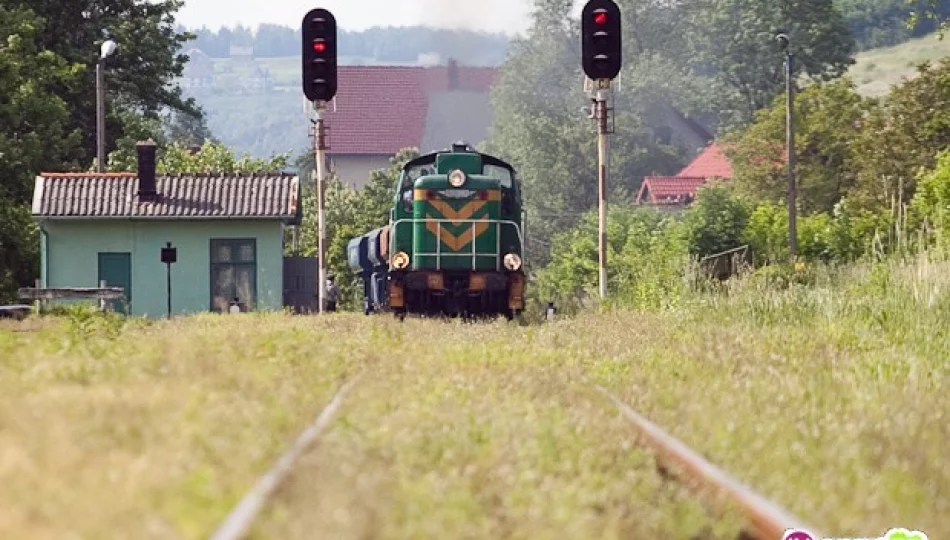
x=934 y=11
x=211 y=157
x=648 y=251
x=715 y=221
x=19 y=249
x=137 y=76
x=735 y=40
x=828 y=122
x=34 y=117
x=187 y=129
x=903 y=137
x=931 y=204
x=34 y=136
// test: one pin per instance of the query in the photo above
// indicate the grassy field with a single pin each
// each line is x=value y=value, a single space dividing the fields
x=831 y=399
x=877 y=70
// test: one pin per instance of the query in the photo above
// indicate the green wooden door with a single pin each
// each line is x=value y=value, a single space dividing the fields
x=116 y=270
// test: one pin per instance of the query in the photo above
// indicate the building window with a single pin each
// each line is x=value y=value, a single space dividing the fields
x=233 y=274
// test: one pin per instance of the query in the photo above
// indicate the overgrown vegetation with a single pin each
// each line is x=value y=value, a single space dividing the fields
x=872 y=179
x=491 y=429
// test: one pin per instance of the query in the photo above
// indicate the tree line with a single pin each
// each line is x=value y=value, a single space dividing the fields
x=873 y=23
x=882 y=23
x=384 y=44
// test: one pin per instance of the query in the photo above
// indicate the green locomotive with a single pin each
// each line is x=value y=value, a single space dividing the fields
x=454 y=244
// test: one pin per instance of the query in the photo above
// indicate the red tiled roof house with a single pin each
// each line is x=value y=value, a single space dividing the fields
x=228 y=231
x=680 y=190
x=380 y=110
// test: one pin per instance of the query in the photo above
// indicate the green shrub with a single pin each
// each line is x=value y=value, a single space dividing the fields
x=930 y=208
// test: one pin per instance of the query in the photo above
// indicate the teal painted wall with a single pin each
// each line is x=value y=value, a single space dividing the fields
x=71 y=259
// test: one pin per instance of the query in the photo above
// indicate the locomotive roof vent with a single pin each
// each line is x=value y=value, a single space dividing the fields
x=460 y=146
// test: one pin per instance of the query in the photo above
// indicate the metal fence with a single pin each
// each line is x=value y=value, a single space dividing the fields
x=728 y=264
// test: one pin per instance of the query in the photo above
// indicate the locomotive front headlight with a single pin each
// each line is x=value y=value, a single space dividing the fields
x=457 y=178
x=400 y=260
x=513 y=262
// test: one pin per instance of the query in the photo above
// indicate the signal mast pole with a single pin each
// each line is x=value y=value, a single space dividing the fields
x=601 y=60
x=319 y=70
x=319 y=155
x=603 y=158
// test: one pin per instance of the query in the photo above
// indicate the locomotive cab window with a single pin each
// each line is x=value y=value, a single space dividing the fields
x=409 y=179
x=498 y=173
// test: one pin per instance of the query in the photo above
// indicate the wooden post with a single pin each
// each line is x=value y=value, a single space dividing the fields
x=38 y=304
x=102 y=301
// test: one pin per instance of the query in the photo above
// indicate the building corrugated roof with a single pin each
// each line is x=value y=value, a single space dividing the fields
x=710 y=163
x=380 y=110
x=663 y=190
x=184 y=196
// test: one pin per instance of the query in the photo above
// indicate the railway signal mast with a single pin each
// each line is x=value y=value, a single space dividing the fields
x=319 y=42
x=601 y=55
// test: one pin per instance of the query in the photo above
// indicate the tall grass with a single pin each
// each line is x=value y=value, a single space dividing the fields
x=825 y=388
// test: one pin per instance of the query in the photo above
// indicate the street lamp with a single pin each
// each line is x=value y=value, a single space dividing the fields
x=784 y=43
x=108 y=49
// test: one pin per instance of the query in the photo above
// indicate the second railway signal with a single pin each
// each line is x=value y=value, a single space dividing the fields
x=601 y=41
x=319 y=43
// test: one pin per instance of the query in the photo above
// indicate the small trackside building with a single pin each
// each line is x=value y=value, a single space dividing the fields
x=228 y=230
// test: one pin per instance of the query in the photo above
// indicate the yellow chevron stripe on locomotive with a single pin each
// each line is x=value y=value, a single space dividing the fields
x=456 y=228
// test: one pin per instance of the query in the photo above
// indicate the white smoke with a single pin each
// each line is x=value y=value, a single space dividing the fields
x=507 y=16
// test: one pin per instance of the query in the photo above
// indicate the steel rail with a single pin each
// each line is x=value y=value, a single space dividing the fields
x=767 y=520
x=237 y=523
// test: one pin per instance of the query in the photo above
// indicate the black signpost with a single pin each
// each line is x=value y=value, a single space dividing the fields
x=169 y=256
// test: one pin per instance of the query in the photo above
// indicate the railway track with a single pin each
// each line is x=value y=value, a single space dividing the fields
x=239 y=521
x=764 y=519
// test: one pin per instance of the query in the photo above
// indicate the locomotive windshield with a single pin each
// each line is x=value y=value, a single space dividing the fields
x=426 y=168
x=498 y=173
x=415 y=172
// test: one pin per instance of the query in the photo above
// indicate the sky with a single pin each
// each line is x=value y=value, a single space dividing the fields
x=507 y=16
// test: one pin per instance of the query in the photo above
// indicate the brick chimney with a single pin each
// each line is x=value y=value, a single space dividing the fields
x=146 y=166
x=453 y=74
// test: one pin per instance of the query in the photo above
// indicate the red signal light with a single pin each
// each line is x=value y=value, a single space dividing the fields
x=600 y=18
x=319 y=46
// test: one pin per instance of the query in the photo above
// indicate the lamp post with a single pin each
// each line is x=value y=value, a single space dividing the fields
x=784 y=42
x=108 y=49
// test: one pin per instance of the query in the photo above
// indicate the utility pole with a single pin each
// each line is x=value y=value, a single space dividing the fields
x=790 y=143
x=603 y=161
x=792 y=227
x=319 y=155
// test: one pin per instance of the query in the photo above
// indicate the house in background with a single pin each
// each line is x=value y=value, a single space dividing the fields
x=380 y=110
x=199 y=71
x=228 y=230
x=678 y=191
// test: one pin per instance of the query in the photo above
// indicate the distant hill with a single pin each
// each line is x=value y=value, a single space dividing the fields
x=254 y=104
x=877 y=70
